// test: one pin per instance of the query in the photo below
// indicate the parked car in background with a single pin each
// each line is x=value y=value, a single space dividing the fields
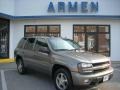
x=63 y=59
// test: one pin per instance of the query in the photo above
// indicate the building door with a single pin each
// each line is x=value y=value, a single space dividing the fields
x=91 y=43
x=4 y=38
x=93 y=38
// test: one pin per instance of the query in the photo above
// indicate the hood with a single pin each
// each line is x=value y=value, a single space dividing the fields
x=84 y=56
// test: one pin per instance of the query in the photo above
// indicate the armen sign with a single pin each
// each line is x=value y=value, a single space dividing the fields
x=83 y=7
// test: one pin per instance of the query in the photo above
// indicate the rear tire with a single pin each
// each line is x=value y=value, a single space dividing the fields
x=62 y=79
x=20 y=66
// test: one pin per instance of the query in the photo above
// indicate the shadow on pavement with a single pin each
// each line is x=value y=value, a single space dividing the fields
x=32 y=81
x=47 y=79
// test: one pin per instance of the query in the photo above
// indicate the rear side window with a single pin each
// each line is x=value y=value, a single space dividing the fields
x=21 y=43
x=29 y=44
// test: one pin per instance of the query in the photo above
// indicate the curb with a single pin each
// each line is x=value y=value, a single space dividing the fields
x=7 y=60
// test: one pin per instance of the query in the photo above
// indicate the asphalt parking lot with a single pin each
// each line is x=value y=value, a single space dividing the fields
x=11 y=80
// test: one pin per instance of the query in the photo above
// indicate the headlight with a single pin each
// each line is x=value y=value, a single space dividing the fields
x=85 y=67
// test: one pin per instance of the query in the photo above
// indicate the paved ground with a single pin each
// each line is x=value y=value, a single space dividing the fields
x=0 y=83
x=11 y=80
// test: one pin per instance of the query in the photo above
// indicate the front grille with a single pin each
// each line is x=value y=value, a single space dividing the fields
x=100 y=67
x=101 y=63
x=100 y=70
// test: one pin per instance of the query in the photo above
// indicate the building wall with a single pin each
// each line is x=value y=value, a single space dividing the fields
x=17 y=31
x=39 y=7
x=115 y=40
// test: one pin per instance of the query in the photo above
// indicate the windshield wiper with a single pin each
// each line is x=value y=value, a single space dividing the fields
x=63 y=49
x=76 y=49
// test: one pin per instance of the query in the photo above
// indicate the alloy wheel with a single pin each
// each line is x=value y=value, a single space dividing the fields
x=61 y=81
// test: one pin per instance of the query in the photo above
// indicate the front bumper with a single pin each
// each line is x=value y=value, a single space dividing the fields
x=92 y=79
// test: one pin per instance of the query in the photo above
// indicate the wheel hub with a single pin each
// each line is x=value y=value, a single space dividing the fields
x=61 y=81
x=20 y=66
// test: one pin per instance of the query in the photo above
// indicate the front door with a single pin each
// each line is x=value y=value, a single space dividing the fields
x=4 y=39
x=41 y=57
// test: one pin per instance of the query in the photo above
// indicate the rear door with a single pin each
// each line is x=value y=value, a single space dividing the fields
x=20 y=48
x=28 y=51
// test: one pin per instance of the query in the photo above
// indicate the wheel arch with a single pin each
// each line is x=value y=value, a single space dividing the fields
x=58 y=66
x=18 y=57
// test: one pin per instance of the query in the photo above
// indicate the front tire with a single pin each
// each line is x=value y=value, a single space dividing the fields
x=63 y=80
x=20 y=66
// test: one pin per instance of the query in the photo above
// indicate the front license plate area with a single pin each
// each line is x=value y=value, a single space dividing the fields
x=105 y=78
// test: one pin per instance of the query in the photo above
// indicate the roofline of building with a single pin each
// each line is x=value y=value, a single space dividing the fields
x=6 y=16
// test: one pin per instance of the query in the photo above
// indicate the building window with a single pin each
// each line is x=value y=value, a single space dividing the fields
x=4 y=38
x=94 y=38
x=30 y=30
x=42 y=30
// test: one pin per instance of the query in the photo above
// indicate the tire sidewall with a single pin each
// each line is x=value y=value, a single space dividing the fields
x=23 y=69
x=68 y=76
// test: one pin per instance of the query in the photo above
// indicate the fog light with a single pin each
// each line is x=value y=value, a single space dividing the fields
x=86 y=81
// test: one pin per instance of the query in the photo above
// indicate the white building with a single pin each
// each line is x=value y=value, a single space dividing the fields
x=94 y=24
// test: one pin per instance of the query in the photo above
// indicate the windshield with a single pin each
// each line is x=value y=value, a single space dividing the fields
x=63 y=44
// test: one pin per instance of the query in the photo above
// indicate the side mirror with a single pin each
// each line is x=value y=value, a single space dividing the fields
x=44 y=50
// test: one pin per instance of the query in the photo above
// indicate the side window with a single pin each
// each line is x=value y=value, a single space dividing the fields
x=21 y=43
x=29 y=44
x=41 y=45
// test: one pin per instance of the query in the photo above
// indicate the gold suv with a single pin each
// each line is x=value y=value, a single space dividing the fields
x=64 y=60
